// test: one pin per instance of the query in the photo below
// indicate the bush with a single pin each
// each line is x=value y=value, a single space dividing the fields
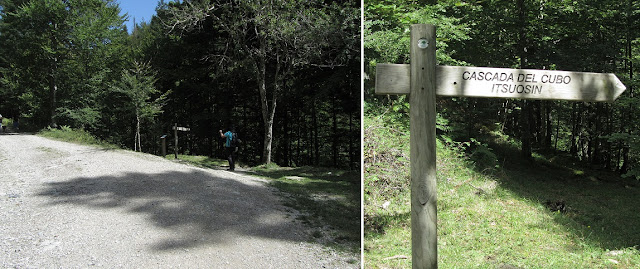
x=484 y=158
x=67 y=134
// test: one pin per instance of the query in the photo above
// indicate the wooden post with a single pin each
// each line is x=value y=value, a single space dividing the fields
x=175 y=145
x=419 y=80
x=164 y=145
x=422 y=100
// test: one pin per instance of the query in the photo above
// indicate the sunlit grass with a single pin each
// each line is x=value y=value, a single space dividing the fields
x=499 y=218
x=327 y=199
x=77 y=136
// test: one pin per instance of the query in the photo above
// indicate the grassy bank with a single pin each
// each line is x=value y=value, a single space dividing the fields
x=550 y=213
x=77 y=136
x=328 y=199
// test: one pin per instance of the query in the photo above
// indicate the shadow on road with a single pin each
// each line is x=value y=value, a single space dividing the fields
x=196 y=208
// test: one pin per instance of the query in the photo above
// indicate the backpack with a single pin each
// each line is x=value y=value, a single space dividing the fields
x=235 y=141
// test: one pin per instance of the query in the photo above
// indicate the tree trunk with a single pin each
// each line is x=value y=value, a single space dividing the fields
x=574 y=129
x=625 y=151
x=137 y=145
x=316 y=143
x=308 y=127
x=287 y=140
x=268 y=111
x=525 y=118
x=596 y=156
x=53 y=91
x=549 y=127
x=526 y=114
x=555 y=145
x=538 y=122
x=625 y=160
x=299 y=134
x=607 y=144
x=352 y=149
x=335 y=135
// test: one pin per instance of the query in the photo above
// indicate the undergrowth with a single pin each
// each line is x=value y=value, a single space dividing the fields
x=78 y=136
x=328 y=200
x=496 y=210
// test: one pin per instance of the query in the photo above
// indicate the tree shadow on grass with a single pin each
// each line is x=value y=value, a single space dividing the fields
x=320 y=173
x=600 y=207
x=327 y=196
x=200 y=208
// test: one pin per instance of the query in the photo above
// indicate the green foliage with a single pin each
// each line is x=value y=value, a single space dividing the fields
x=386 y=159
x=492 y=203
x=577 y=36
x=327 y=198
x=201 y=161
x=61 y=57
x=386 y=30
x=483 y=157
x=79 y=136
x=301 y=54
x=497 y=218
x=210 y=62
x=138 y=86
x=633 y=142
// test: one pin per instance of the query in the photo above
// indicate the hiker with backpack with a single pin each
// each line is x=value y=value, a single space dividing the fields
x=230 y=146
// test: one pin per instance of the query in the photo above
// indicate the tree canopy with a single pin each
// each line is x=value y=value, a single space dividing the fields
x=583 y=36
x=284 y=73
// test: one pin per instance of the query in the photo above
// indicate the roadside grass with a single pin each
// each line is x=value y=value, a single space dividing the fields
x=328 y=200
x=77 y=136
x=499 y=218
x=200 y=161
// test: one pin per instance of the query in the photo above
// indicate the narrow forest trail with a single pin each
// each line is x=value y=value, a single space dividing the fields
x=64 y=205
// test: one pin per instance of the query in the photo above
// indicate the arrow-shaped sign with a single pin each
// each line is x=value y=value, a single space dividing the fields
x=506 y=83
x=184 y=129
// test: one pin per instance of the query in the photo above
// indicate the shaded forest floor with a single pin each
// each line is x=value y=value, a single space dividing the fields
x=553 y=212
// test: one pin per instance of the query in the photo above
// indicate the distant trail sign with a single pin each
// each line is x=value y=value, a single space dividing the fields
x=177 y=128
x=184 y=129
x=506 y=83
x=423 y=80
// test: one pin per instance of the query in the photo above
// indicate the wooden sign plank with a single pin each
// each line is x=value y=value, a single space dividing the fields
x=392 y=78
x=506 y=83
x=184 y=129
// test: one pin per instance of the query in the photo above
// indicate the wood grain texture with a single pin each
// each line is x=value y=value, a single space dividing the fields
x=466 y=81
x=422 y=100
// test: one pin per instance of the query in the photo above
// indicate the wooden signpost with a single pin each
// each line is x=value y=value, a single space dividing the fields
x=506 y=83
x=423 y=80
x=176 y=128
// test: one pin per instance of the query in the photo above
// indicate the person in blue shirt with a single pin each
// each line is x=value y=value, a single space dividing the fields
x=228 y=149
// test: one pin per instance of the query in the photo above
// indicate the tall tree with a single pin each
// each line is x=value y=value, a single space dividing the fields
x=274 y=37
x=63 y=54
x=137 y=85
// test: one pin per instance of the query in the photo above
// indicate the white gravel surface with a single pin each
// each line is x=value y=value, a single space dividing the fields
x=64 y=205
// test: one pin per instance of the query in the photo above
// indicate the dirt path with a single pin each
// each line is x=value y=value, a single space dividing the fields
x=69 y=206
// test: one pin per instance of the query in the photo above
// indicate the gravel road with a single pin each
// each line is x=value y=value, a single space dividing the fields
x=64 y=205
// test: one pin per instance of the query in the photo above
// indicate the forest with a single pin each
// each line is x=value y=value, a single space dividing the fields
x=285 y=74
x=518 y=183
x=583 y=36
